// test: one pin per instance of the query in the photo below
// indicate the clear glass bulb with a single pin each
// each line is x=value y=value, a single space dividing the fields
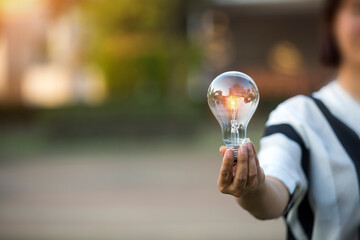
x=233 y=98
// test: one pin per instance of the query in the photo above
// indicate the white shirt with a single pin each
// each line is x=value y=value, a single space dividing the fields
x=301 y=149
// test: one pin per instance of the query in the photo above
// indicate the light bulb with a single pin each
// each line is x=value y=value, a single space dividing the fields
x=233 y=98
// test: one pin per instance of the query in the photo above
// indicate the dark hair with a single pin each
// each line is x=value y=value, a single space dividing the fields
x=330 y=54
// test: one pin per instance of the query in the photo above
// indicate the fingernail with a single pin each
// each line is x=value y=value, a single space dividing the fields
x=229 y=153
x=243 y=149
x=220 y=148
x=249 y=146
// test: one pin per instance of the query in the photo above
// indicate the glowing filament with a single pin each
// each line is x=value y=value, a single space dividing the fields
x=233 y=104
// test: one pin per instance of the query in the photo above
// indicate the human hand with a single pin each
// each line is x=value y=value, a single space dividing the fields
x=238 y=179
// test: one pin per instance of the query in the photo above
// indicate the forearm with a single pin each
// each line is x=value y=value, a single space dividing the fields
x=268 y=201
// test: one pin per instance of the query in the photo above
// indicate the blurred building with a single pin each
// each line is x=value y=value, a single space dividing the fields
x=41 y=56
x=276 y=42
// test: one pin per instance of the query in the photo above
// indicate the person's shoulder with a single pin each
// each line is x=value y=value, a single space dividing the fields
x=294 y=109
x=297 y=104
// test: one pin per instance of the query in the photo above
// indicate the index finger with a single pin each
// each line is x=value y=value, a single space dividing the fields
x=222 y=150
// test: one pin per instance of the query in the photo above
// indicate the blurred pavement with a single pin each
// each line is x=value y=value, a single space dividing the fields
x=164 y=190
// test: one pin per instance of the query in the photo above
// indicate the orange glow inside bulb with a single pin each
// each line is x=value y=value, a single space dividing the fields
x=233 y=102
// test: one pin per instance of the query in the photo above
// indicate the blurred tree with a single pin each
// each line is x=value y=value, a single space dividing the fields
x=142 y=47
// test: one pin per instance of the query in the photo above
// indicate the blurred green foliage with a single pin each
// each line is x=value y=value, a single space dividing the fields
x=142 y=47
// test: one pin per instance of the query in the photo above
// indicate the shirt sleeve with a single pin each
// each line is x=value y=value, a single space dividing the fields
x=283 y=150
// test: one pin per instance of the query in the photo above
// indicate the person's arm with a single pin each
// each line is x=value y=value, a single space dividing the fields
x=264 y=197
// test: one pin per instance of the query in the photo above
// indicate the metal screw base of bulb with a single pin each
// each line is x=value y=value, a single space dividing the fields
x=236 y=147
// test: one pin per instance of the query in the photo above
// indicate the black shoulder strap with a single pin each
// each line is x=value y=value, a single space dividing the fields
x=347 y=137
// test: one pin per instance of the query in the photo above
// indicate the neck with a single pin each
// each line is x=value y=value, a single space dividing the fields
x=349 y=79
